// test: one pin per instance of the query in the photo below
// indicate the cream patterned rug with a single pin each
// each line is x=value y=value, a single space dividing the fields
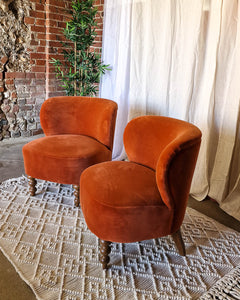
x=48 y=242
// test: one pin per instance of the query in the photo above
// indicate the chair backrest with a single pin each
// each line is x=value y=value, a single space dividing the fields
x=94 y=117
x=170 y=147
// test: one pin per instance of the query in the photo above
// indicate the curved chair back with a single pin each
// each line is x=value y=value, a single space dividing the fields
x=170 y=147
x=80 y=115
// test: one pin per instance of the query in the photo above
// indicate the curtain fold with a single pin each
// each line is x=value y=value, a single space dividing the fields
x=180 y=58
x=117 y=53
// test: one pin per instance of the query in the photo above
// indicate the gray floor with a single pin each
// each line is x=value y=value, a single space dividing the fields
x=11 y=165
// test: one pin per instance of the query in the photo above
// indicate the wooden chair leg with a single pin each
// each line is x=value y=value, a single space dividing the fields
x=76 y=195
x=32 y=185
x=177 y=237
x=105 y=250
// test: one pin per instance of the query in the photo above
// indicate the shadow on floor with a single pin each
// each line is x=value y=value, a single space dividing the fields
x=212 y=210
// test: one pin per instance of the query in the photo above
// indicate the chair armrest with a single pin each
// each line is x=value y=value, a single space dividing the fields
x=174 y=172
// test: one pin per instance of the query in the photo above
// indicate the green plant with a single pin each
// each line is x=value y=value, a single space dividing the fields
x=82 y=68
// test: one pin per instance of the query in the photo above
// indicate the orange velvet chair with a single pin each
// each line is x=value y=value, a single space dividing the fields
x=79 y=132
x=145 y=197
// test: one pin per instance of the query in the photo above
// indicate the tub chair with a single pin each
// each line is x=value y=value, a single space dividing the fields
x=79 y=132
x=145 y=197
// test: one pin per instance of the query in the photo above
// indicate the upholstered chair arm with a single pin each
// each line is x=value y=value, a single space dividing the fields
x=174 y=174
x=80 y=115
x=144 y=139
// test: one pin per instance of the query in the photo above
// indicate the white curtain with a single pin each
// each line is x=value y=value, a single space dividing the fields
x=181 y=58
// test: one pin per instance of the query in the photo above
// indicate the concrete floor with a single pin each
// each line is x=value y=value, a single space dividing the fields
x=11 y=165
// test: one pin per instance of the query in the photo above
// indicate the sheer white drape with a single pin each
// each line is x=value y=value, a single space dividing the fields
x=181 y=58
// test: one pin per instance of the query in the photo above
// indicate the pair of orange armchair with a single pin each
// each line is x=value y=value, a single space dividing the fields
x=122 y=201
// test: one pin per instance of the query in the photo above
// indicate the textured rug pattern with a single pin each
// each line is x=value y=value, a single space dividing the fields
x=48 y=242
x=227 y=288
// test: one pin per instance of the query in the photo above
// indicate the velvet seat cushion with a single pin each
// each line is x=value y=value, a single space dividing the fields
x=62 y=158
x=121 y=202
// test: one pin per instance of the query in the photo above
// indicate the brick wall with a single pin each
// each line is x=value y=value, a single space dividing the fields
x=23 y=92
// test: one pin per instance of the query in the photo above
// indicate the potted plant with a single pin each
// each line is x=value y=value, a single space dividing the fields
x=82 y=68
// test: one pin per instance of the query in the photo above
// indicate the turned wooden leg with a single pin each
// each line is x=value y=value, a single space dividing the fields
x=32 y=185
x=177 y=237
x=105 y=250
x=76 y=195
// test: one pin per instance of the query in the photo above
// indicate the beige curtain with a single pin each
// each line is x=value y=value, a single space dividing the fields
x=181 y=58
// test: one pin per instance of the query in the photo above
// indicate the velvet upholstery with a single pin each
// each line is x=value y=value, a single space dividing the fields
x=94 y=117
x=145 y=197
x=79 y=133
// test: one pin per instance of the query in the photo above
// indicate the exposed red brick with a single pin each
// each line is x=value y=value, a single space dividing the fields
x=46 y=21
x=56 y=16
x=37 y=55
x=4 y=59
x=41 y=36
x=40 y=7
x=37 y=14
x=37 y=131
x=39 y=69
x=40 y=75
x=15 y=75
x=51 y=23
x=40 y=62
x=30 y=75
x=42 y=43
x=41 y=49
x=38 y=28
x=54 y=44
x=29 y=20
x=40 y=22
x=33 y=43
x=9 y=81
